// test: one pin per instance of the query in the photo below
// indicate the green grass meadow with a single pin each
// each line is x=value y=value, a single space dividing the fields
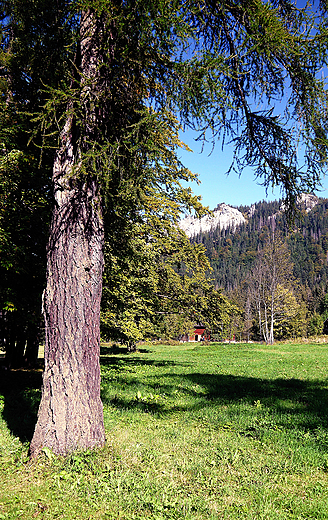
x=194 y=431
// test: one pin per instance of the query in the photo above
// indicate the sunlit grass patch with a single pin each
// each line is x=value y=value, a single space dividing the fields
x=193 y=431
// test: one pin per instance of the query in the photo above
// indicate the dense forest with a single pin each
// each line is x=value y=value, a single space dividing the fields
x=233 y=253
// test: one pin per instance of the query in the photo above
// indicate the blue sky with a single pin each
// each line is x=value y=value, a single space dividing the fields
x=217 y=187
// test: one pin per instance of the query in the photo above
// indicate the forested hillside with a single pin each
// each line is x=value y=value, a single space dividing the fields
x=232 y=252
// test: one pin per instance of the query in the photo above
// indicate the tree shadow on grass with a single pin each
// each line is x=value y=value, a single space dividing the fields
x=121 y=363
x=284 y=395
x=305 y=401
x=295 y=403
x=106 y=350
x=112 y=349
x=144 y=404
x=292 y=405
x=22 y=393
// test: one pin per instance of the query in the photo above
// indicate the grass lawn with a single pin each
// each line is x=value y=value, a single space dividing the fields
x=193 y=432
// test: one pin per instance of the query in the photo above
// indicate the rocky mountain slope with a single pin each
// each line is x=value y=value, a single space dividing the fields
x=224 y=217
x=228 y=217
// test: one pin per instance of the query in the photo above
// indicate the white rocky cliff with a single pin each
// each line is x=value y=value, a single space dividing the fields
x=307 y=201
x=224 y=216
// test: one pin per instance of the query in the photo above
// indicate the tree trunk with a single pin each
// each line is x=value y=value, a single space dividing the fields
x=15 y=344
x=32 y=344
x=271 y=338
x=70 y=415
x=265 y=326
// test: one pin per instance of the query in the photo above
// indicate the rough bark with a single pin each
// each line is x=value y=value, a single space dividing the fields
x=70 y=415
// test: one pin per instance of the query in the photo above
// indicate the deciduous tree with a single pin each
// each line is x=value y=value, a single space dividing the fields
x=271 y=286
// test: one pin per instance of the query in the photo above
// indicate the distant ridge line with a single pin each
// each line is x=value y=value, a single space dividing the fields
x=225 y=216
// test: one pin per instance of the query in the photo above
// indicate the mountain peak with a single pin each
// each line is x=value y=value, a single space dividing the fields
x=307 y=201
x=224 y=217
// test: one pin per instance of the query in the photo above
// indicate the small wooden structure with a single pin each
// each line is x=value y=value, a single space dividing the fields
x=197 y=335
